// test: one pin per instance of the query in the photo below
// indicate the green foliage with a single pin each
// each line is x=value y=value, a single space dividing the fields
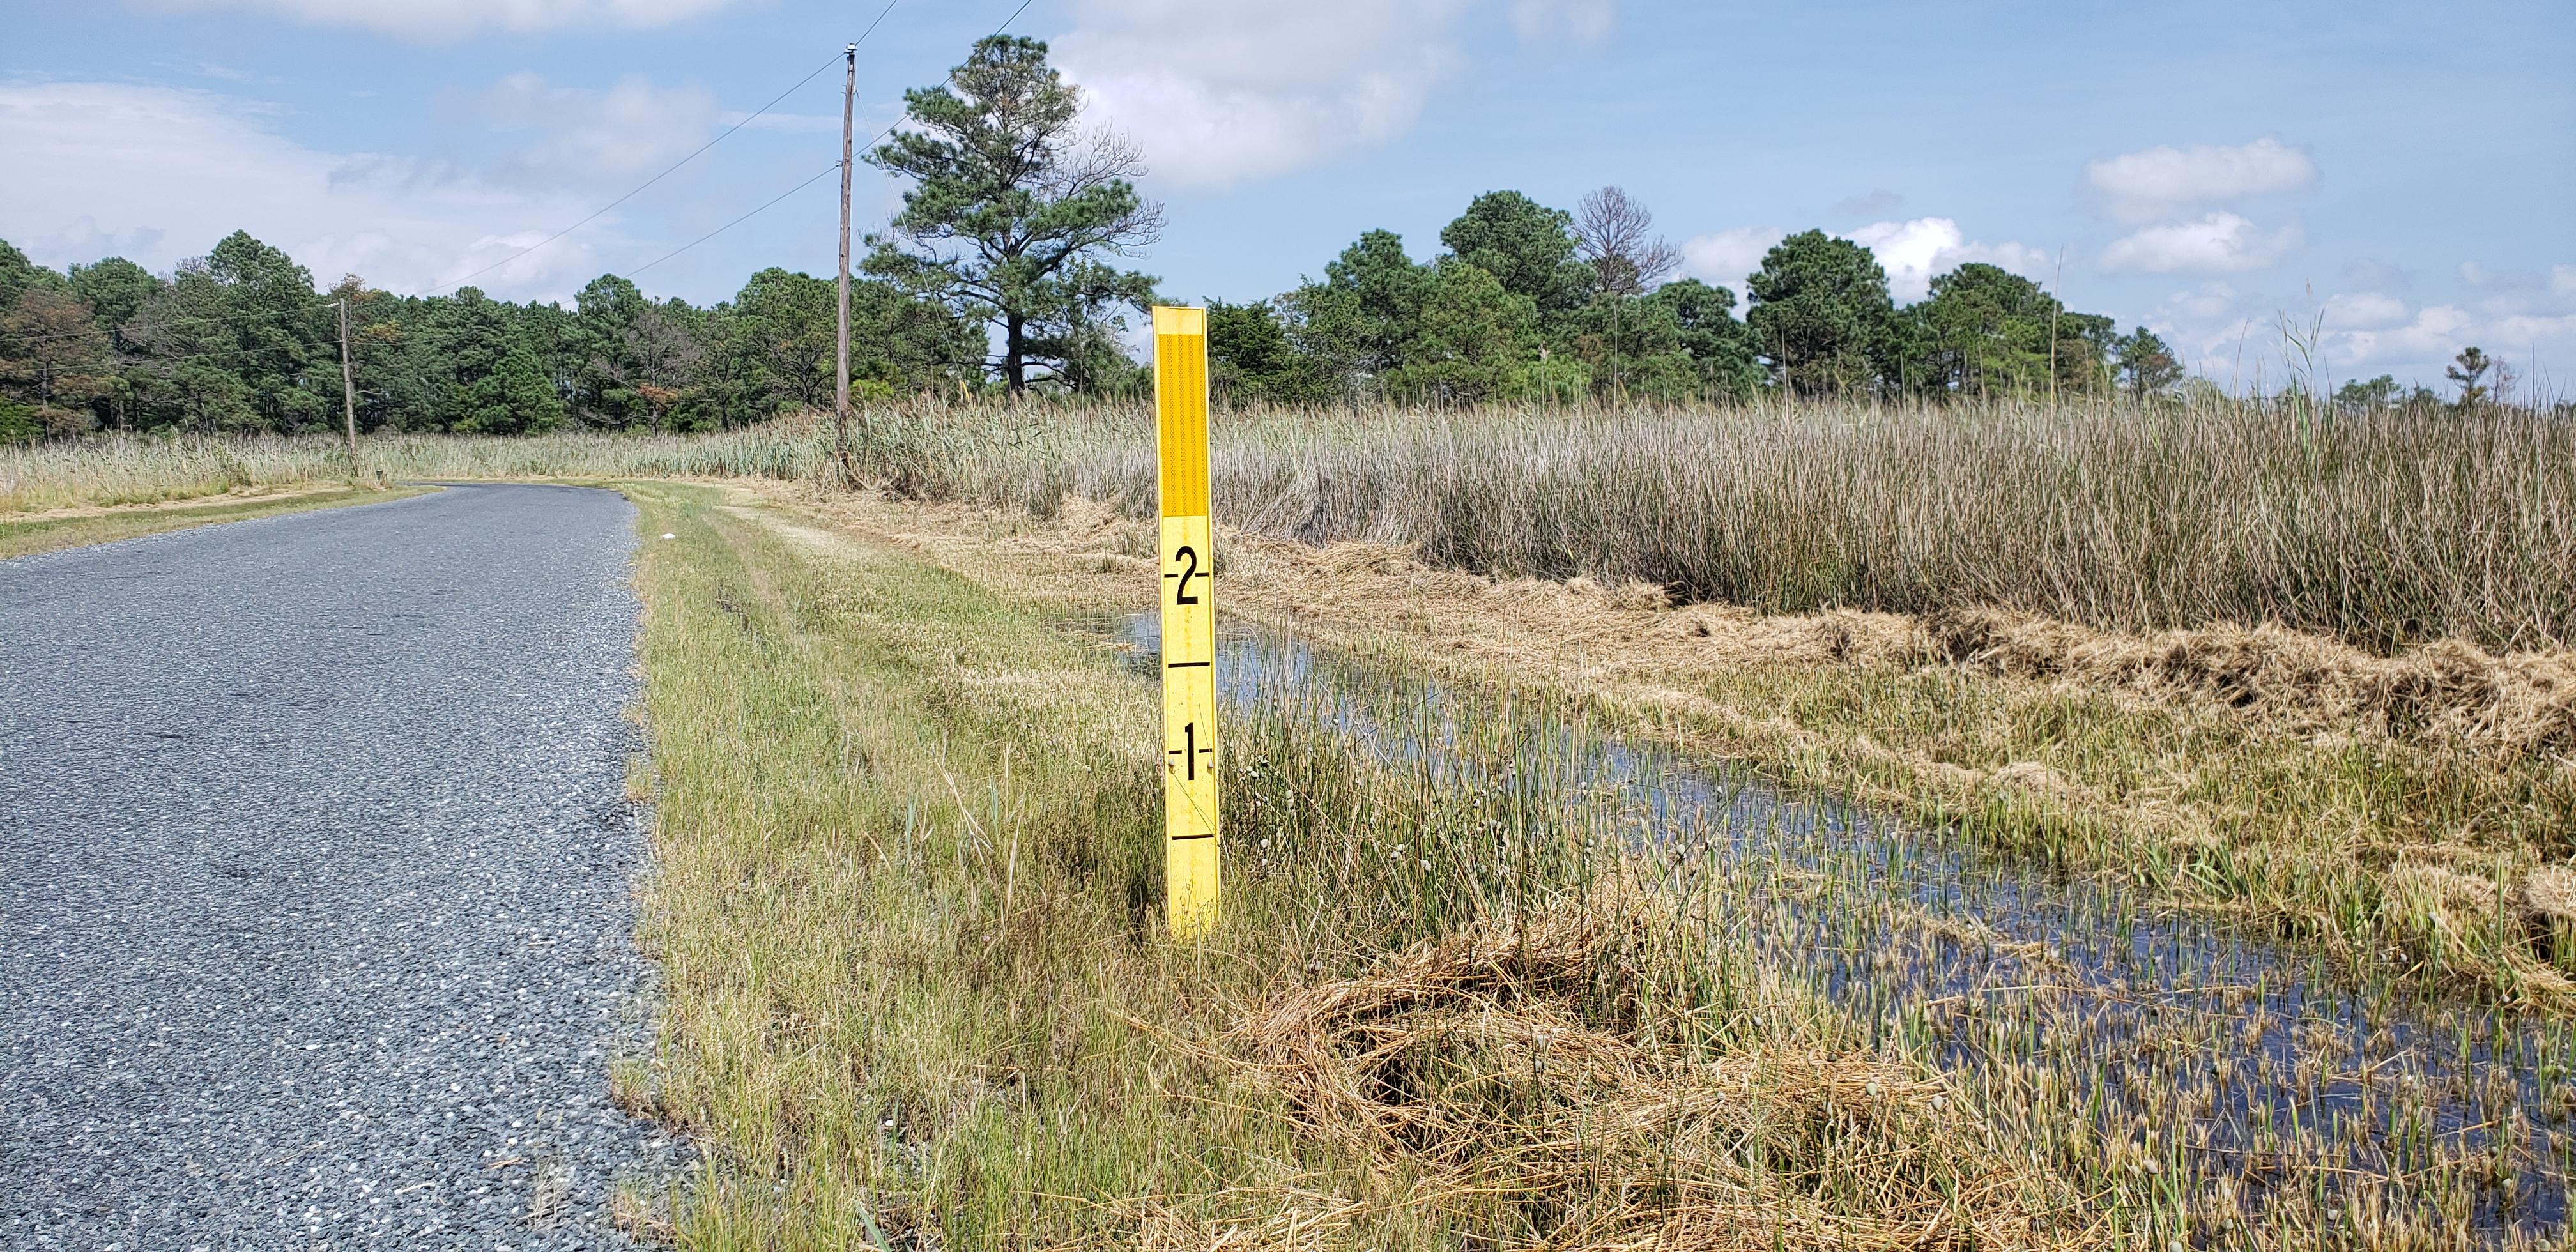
x=18 y=423
x=2085 y=342
x=1821 y=313
x=514 y=397
x=784 y=325
x=18 y=274
x=1554 y=378
x=2367 y=395
x=1528 y=247
x=2145 y=366
x=281 y=346
x=1014 y=214
x=240 y=341
x=1001 y=265
x=1355 y=322
x=114 y=289
x=1724 y=360
x=1253 y=360
x=1470 y=339
x=1988 y=332
x=2468 y=372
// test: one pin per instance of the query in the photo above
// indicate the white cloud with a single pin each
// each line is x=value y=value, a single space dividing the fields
x=1219 y=94
x=442 y=21
x=2517 y=333
x=1726 y=258
x=631 y=129
x=2140 y=186
x=403 y=224
x=2242 y=339
x=2420 y=349
x=2364 y=310
x=2221 y=243
x=1914 y=252
x=2518 y=283
x=2434 y=334
x=2210 y=299
x=1216 y=95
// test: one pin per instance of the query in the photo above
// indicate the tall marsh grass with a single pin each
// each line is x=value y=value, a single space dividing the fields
x=2383 y=529
x=113 y=470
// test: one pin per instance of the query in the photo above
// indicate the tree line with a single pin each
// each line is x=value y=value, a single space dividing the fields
x=1003 y=272
x=1533 y=302
x=241 y=340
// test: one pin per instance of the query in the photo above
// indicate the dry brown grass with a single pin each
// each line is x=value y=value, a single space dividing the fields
x=2448 y=691
x=2293 y=780
x=2381 y=530
x=1522 y=1068
x=24 y=533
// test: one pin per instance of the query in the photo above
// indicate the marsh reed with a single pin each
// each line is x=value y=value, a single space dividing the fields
x=2382 y=529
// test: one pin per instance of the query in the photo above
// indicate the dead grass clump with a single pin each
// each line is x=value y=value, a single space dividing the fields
x=2549 y=892
x=2521 y=934
x=2546 y=900
x=2446 y=690
x=1297 y=1221
x=1544 y=1094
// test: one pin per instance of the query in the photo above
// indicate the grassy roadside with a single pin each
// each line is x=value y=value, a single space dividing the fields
x=25 y=535
x=906 y=912
x=2429 y=854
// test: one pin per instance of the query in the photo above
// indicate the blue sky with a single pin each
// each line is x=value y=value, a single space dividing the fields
x=2406 y=172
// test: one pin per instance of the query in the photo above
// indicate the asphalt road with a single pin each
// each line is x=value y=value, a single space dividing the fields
x=315 y=875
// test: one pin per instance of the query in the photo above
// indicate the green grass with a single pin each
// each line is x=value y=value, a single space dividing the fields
x=906 y=908
x=24 y=536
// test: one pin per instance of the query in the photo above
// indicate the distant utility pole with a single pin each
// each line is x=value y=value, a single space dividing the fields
x=2056 y=303
x=348 y=389
x=841 y=354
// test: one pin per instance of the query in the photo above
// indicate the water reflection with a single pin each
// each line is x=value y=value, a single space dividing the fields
x=2190 y=1054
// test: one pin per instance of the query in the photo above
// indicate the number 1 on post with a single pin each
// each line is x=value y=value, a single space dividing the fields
x=1189 y=623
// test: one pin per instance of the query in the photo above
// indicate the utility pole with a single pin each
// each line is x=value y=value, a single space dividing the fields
x=841 y=354
x=2056 y=303
x=348 y=389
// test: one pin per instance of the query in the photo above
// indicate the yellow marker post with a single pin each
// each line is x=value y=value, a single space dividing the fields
x=1189 y=623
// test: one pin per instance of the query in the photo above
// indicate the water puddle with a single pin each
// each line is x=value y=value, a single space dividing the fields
x=2233 y=1077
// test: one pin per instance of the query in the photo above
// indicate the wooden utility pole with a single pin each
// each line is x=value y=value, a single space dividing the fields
x=841 y=353
x=348 y=389
x=2056 y=302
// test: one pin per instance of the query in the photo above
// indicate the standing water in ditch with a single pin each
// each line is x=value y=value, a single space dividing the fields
x=2234 y=1083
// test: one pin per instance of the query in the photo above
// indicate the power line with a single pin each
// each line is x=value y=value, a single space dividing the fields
x=675 y=165
x=763 y=207
x=881 y=138
x=834 y=167
x=872 y=26
x=208 y=318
